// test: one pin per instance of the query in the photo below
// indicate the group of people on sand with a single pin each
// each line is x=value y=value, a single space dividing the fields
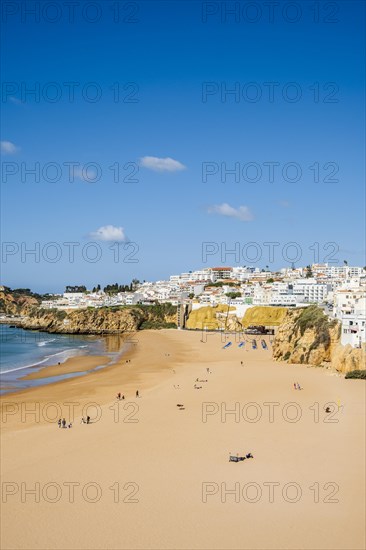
x=196 y=387
x=87 y=420
x=297 y=386
x=63 y=424
x=121 y=397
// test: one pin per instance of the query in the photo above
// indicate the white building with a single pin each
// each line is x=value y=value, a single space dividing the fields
x=313 y=292
x=350 y=309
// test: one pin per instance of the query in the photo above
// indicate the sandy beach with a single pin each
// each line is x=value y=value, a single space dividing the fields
x=70 y=366
x=147 y=474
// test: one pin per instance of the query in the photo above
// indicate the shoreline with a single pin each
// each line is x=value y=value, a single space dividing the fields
x=79 y=365
x=85 y=383
x=72 y=365
x=74 y=362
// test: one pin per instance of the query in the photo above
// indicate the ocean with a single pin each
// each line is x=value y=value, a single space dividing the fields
x=23 y=350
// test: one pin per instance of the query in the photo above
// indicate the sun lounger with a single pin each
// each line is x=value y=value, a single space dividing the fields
x=236 y=458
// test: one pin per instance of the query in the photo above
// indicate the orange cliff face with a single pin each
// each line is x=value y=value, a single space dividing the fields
x=13 y=304
x=105 y=320
x=307 y=336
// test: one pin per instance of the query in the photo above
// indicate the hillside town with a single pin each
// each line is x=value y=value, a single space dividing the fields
x=339 y=290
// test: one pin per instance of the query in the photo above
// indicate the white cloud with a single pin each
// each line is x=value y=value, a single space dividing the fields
x=162 y=165
x=8 y=148
x=242 y=213
x=84 y=174
x=109 y=233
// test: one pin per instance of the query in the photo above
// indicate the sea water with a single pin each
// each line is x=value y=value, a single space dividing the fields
x=23 y=350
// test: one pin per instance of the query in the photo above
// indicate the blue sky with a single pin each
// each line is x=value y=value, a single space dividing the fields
x=164 y=59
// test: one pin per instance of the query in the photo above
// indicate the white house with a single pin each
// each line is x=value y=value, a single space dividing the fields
x=350 y=309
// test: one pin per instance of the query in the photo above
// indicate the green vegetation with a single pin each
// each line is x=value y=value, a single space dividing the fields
x=60 y=314
x=360 y=374
x=309 y=272
x=156 y=325
x=157 y=316
x=233 y=295
x=25 y=292
x=77 y=288
x=270 y=280
x=37 y=313
x=286 y=356
x=222 y=283
x=312 y=317
x=159 y=311
x=114 y=289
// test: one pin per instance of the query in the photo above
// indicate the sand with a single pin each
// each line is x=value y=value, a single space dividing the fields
x=71 y=365
x=147 y=475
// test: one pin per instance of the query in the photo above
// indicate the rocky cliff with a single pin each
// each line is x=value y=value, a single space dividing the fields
x=307 y=336
x=111 y=320
x=264 y=315
x=16 y=304
x=222 y=317
x=214 y=318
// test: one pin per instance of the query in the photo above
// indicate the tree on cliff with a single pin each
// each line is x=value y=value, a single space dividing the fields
x=233 y=295
x=77 y=288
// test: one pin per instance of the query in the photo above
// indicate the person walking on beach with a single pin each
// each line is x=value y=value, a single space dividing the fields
x=88 y=419
x=59 y=422
x=298 y=386
x=63 y=423
x=295 y=386
x=137 y=393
